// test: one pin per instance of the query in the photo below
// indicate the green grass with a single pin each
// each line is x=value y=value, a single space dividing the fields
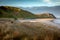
x=13 y=12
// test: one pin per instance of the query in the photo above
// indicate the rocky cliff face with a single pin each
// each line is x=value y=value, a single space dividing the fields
x=45 y=15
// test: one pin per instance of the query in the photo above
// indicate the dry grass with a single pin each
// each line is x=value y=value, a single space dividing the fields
x=28 y=31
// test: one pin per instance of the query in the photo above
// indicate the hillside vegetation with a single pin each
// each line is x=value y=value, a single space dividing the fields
x=13 y=12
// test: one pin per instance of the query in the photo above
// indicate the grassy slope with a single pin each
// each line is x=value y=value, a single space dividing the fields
x=13 y=12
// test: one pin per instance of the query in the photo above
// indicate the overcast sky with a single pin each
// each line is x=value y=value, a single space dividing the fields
x=29 y=3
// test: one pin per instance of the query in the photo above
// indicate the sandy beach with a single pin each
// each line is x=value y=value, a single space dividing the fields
x=43 y=21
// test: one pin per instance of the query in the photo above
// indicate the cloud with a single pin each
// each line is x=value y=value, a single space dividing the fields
x=57 y=3
x=47 y=1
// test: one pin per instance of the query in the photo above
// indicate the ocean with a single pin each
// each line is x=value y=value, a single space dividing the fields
x=57 y=21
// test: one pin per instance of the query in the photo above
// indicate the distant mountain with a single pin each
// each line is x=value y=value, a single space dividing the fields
x=13 y=12
x=54 y=10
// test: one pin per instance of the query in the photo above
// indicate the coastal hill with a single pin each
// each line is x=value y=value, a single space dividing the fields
x=52 y=9
x=45 y=15
x=14 y=12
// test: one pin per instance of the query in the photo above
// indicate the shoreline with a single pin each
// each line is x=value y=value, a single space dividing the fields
x=33 y=20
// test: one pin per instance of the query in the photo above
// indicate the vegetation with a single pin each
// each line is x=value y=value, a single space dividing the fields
x=12 y=30
x=45 y=15
x=13 y=12
x=28 y=31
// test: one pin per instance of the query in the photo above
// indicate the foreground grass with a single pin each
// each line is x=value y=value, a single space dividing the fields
x=11 y=30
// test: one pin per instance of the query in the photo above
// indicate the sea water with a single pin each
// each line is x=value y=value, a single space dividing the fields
x=57 y=21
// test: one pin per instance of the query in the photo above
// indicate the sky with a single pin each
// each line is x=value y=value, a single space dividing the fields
x=29 y=3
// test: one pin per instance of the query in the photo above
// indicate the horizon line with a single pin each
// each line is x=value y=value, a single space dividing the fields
x=29 y=6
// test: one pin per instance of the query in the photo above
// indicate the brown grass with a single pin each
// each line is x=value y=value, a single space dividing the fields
x=28 y=31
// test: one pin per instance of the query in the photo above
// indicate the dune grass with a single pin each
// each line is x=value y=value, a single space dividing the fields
x=28 y=31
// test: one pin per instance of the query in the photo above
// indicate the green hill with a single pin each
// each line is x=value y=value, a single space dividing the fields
x=13 y=12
